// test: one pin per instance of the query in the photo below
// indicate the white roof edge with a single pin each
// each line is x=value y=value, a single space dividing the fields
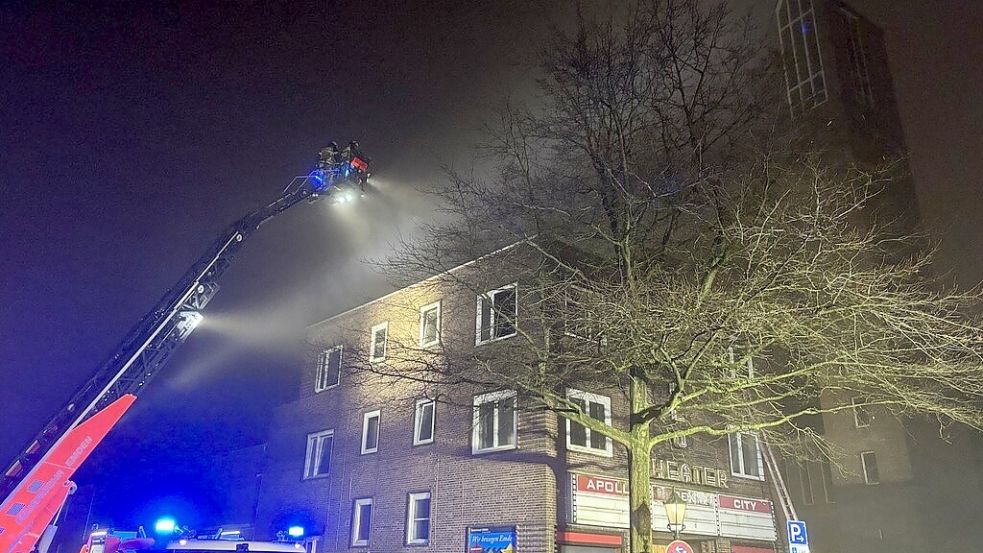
x=418 y=283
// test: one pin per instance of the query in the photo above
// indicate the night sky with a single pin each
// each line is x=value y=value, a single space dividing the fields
x=132 y=133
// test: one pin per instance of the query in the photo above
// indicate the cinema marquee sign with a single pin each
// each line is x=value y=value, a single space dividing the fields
x=691 y=474
x=603 y=501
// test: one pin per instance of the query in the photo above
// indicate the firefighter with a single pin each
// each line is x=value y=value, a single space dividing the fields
x=329 y=159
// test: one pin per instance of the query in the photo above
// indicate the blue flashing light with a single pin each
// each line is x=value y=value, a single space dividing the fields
x=165 y=525
x=295 y=531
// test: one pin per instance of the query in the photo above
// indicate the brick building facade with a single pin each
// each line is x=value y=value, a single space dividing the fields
x=365 y=461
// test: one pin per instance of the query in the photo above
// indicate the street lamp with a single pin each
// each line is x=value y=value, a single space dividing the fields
x=675 y=512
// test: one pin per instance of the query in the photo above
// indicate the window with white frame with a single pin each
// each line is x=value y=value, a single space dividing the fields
x=328 y=373
x=361 y=522
x=418 y=519
x=745 y=456
x=494 y=422
x=497 y=313
x=799 y=39
x=370 y=432
x=581 y=438
x=377 y=347
x=733 y=358
x=318 y=460
x=430 y=324
x=861 y=416
x=423 y=421
x=869 y=461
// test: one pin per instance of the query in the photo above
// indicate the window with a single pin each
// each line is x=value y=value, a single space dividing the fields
x=861 y=416
x=808 y=495
x=429 y=325
x=732 y=359
x=745 y=456
x=418 y=519
x=377 y=349
x=581 y=438
x=817 y=482
x=370 y=432
x=869 y=462
x=423 y=421
x=328 y=369
x=579 y=320
x=361 y=522
x=680 y=442
x=803 y=63
x=494 y=422
x=857 y=52
x=497 y=312
x=318 y=460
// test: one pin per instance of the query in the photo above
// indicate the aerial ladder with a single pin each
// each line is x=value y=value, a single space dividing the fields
x=36 y=485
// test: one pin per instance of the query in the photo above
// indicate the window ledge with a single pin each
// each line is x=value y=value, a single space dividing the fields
x=591 y=451
x=497 y=339
x=475 y=451
x=747 y=476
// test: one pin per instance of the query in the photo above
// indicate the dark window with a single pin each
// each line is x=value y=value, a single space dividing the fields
x=370 y=432
x=497 y=311
x=361 y=522
x=328 y=369
x=318 y=454
x=744 y=458
x=494 y=421
x=861 y=416
x=430 y=325
x=378 y=347
x=596 y=407
x=869 y=462
x=418 y=519
x=424 y=421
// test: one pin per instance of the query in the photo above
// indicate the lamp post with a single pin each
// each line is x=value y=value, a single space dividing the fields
x=675 y=512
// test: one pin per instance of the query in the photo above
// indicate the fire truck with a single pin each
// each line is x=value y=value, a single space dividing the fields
x=36 y=485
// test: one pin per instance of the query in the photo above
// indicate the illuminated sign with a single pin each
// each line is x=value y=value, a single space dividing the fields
x=491 y=540
x=603 y=501
x=691 y=474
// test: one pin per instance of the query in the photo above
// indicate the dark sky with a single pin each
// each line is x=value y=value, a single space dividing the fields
x=132 y=133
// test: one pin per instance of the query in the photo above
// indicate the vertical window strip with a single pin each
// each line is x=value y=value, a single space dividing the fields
x=328 y=373
x=424 y=421
x=361 y=522
x=430 y=324
x=379 y=342
x=418 y=519
x=371 y=427
x=799 y=42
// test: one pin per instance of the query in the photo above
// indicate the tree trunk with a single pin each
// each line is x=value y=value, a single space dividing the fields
x=639 y=473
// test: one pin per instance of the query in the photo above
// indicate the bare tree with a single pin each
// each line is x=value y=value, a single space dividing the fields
x=722 y=289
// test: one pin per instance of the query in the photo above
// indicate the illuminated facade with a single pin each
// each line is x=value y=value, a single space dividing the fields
x=363 y=461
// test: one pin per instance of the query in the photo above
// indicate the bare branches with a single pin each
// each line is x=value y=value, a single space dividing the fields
x=749 y=295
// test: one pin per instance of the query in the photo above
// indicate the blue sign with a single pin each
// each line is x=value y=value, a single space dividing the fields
x=797 y=534
x=499 y=539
